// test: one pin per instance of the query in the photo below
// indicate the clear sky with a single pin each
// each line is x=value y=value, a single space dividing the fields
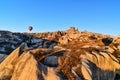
x=101 y=16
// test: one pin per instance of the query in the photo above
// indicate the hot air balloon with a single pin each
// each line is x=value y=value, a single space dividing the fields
x=30 y=28
x=30 y=37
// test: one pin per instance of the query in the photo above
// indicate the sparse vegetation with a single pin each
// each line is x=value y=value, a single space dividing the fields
x=116 y=53
x=93 y=36
x=116 y=44
x=74 y=45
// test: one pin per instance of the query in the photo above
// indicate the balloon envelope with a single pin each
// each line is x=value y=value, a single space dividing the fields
x=30 y=28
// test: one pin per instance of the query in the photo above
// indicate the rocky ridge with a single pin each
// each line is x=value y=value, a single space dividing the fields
x=62 y=55
x=58 y=64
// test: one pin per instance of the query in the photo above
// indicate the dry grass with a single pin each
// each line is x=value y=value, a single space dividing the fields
x=116 y=53
x=71 y=59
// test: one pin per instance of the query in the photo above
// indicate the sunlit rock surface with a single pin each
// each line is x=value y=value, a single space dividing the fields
x=62 y=55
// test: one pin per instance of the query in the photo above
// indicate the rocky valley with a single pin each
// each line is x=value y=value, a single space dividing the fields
x=60 y=55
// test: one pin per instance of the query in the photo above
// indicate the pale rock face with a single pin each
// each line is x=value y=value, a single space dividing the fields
x=11 y=58
x=119 y=47
x=21 y=65
x=72 y=30
x=111 y=50
x=51 y=75
x=94 y=65
x=6 y=67
x=74 y=36
x=26 y=68
x=102 y=66
x=64 y=41
x=48 y=72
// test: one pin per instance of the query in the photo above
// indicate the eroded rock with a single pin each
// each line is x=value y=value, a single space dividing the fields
x=51 y=61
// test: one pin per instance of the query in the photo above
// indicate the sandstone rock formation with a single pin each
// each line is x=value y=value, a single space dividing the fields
x=61 y=55
x=89 y=64
x=10 y=41
x=22 y=65
x=71 y=64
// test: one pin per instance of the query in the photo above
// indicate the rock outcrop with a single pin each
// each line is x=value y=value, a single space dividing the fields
x=61 y=55
x=51 y=61
x=56 y=64
x=2 y=57
x=89 y=64
x=10 y=41
x=22 y=65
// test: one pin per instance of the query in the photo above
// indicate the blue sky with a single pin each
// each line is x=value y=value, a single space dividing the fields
x=101 y=16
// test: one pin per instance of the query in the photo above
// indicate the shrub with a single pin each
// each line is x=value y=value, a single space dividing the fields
x=116 y=44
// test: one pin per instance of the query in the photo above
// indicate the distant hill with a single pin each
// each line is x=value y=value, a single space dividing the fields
x=4 y=31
